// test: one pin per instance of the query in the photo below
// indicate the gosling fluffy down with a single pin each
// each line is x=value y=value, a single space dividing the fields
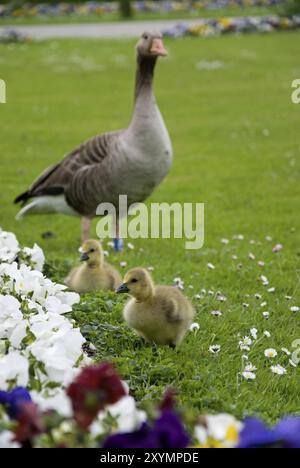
x=94 y=274
x=160 y=314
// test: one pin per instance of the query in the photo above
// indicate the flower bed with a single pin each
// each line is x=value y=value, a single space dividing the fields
x=99 y=8
x=242 y=25
x=52 y=396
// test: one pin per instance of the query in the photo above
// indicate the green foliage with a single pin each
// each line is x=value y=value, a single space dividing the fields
x=236 y=141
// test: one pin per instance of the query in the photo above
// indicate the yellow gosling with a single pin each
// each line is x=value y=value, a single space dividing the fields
x=94 y=274
x=160 y=314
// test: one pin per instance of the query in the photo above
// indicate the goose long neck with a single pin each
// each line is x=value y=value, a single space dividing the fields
x=144 y=77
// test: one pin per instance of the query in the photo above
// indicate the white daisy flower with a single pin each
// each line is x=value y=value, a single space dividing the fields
x=210 y=266
x=234 y=257
x=279 y=370
x=123 y=264
x=295 y=309
x=150 y=268
x=277 y=248
x=178 y=283
x=249 y=375
x=246 y=341
x=221 y=298
x=238 y=237
x=130 y=246
x=250 y=368
x=288 y=298
x=266 y=315
x=225 y=241
x=264 y=280
x=258 y=296
x=286 y=351
x=214 y=349
x=194 y=327
x=263 y=304
x=268 y=238
x=245 y=357
x=270 y=353
x=216 y=313
x=253 y=333
x=261 y=263
x=271 y=290
x=245 y=305
x=251 y=256
x=267 y=334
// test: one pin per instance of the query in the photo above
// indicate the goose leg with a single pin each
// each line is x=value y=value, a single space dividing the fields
x=85 y=229
x=118 y=242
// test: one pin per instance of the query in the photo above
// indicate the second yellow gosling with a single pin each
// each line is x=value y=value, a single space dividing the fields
x=160 y=314
x=94 y=274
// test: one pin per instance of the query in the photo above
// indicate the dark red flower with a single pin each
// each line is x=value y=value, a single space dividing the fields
x=169 y=400
x=29 y=423
x=93 y=389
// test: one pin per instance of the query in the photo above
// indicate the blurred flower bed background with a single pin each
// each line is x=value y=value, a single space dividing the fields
x=17 y=8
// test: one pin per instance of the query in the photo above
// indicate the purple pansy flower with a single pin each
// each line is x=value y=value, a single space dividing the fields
x=167 y=432
x=285 y=435
x=13 y=400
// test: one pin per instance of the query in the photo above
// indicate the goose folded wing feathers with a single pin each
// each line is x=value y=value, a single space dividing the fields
x=77 y=176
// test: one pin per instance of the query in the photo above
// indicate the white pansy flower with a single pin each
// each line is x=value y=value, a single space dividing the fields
x=13 y=366
x=9 y=246
x=36 y=256
x=57 y=400
x=7 y=440
x=222 y=428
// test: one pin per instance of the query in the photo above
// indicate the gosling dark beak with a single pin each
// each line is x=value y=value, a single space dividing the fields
x=84 y=257
x=122 y=289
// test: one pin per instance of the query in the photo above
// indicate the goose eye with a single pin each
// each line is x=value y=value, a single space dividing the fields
x=134 y=280
x=146 y=37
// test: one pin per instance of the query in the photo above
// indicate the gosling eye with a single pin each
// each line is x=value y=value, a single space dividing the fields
x=92 y=250
x=134 y=280
x=146 y=37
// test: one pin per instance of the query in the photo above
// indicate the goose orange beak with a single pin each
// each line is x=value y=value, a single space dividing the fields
x=158 y=48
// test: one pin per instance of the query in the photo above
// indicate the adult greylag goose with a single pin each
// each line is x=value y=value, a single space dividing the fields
x=130 y=162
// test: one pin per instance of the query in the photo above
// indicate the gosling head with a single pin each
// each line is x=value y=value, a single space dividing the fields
x=151 y=45
x=91 y=253
x=138 y=283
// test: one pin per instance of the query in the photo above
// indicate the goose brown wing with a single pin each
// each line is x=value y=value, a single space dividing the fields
x=56 y=179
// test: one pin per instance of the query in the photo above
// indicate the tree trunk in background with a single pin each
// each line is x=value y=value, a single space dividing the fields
x=125 y=8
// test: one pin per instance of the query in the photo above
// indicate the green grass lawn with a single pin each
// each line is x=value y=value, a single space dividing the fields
x=237 y=148
x=173 y=15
